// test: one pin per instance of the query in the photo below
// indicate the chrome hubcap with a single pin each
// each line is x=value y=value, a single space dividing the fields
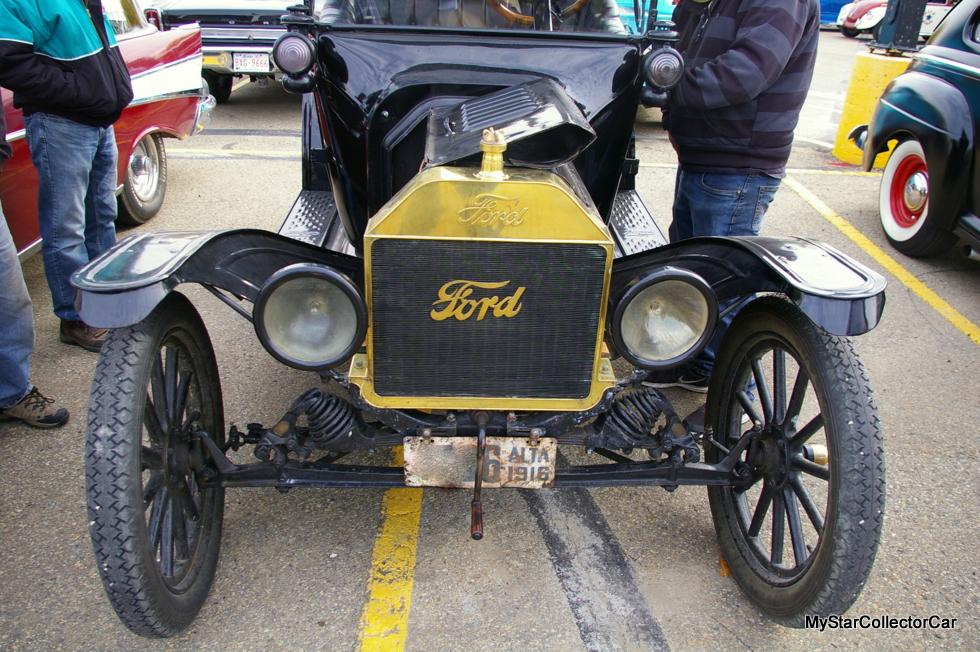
x=916 y=192
x=144 y=172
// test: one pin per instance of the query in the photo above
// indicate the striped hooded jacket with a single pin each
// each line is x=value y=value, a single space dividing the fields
x=61 y=57
x=749 y=65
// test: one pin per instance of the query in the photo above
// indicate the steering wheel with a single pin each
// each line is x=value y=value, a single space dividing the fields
x=513 y=15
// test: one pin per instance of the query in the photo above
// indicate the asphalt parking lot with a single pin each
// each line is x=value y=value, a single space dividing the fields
x=605 y=569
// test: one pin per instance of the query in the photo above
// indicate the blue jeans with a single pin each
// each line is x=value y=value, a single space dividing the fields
x=76 y=198
x=707 y=204
x=16 y=325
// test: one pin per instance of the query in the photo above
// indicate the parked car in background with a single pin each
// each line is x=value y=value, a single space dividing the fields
x=169 y=102
x=865 y=16
x=237 y=36
x=928 y=200
x=628 y=9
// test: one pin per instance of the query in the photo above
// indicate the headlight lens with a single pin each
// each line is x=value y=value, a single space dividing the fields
x=293 y=54
x=663 y=68
x=310 y=316
x=665 y=318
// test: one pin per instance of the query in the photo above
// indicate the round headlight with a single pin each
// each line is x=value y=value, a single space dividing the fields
x=293 y=54
x=310 y=317
x=664 y=318
x=663 y=68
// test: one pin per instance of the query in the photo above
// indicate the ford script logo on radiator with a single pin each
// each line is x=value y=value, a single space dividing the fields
x=487 y=209
x=456 y=297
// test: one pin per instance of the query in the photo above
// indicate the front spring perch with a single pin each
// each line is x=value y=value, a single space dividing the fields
x=476 y=507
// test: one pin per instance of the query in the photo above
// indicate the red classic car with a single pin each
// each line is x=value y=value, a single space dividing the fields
x=169 y=101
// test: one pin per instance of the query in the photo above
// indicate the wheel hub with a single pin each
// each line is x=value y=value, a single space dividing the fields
x=177 y=456
x=916 y=192
x=774 y=456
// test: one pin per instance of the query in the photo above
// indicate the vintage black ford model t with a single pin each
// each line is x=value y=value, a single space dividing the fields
x=466 y=259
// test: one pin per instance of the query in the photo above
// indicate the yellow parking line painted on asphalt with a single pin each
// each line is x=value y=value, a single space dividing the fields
x=384 y=621
x=906 y=277
x=841 y=173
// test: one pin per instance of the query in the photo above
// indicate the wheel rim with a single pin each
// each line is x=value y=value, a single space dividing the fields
x=144 y=169
x=175 y=505
x=909 y=191
x=781 y=516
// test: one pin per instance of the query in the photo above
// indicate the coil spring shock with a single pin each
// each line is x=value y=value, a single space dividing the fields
x=328 y=417
x=632 y=418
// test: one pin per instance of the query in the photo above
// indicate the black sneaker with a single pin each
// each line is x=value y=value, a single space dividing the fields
x=685 y=377
x=36 y=410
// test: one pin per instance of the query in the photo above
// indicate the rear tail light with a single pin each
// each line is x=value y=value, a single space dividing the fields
x=153 y=17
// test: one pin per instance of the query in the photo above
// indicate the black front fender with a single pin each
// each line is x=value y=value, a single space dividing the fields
x=839 y=294
x=124 y=284
x=935 y=113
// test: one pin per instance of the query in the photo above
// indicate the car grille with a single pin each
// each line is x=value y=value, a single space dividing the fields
x=545 y=350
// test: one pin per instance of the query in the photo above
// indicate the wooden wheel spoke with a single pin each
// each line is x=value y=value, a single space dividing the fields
x=810 y=507
x=170 y=383
x=779 y=385
x=159 y=510
x=181 y=544
x=158 y=391
x=809 y=430
x=778 y=528
x=167 y=538
x=795 y=527
x=762 y=386
x=749 y=406
x=183 y=390
x=188 y=504
x=761 y=509
x=151 y=459
x=151 y=489
x=810 y=468
x=796 y=398
x=151 y=421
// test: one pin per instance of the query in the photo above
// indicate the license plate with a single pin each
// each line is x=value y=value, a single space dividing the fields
x=251 y=62
x=508 y=462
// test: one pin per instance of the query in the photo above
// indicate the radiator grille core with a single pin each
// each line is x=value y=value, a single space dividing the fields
x=546 y=350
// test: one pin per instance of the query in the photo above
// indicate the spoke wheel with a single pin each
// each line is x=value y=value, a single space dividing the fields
x=145 y=184
x=903 y=204
x=802 y=538
x=155 y=529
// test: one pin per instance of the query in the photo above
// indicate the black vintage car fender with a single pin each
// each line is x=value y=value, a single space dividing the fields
x=122 y=287
x=935 y=113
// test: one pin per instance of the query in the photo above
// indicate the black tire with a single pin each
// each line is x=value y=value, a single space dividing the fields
x=219 y=86
x=849 y=32
x=813 y=397
x=145 y=184
x=143 y=468
x=907 y=223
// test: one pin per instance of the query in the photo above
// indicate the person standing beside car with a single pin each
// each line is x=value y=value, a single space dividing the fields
x=19 y=399
x=731 y=119
x=61 y=60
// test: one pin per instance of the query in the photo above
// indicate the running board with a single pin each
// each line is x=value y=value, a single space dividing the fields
x=632 y=226
x=314 y=219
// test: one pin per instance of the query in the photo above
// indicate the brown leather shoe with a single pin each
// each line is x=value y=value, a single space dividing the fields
x=36 y=410
x=83 y=335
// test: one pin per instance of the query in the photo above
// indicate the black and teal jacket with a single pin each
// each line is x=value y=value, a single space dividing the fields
x=61 y=57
